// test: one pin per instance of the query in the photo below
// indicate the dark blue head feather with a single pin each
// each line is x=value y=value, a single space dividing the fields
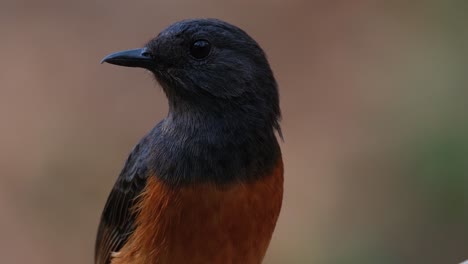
x=223 y=107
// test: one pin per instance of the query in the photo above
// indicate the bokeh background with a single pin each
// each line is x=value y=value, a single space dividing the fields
x=374 y=98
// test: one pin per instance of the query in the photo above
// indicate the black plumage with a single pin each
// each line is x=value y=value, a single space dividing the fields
x=223 y=114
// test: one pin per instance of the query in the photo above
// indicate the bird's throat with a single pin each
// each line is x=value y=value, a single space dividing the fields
x=196 y=148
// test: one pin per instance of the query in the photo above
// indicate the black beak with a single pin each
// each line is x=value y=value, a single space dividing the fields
x=131 y=58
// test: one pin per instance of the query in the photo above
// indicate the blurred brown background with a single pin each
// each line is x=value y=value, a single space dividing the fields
x=374 y=97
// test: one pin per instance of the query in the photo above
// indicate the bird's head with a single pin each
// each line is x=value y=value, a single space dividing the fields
x=208 y=64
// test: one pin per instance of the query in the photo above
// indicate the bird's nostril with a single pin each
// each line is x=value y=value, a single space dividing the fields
x=146 y=53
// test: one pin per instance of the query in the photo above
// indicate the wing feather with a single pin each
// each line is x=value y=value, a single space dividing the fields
x=117 y=220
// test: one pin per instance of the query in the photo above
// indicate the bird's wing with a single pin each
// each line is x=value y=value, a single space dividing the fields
x=117 y=220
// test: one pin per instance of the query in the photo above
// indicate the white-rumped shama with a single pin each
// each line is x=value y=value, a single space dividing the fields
x=205 y=185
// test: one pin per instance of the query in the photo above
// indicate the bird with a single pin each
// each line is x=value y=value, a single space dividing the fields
x=205 y=185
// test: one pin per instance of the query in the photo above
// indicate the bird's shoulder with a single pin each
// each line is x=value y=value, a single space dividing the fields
x=118 y=217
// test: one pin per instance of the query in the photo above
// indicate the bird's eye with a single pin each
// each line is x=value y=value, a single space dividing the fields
x=200 y=49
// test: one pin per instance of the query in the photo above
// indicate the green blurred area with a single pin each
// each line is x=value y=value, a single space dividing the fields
x=374 y=98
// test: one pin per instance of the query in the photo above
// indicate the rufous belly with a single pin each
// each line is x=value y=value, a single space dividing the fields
x=205 y=223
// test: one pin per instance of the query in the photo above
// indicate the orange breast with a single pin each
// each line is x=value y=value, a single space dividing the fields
x=205 y=223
